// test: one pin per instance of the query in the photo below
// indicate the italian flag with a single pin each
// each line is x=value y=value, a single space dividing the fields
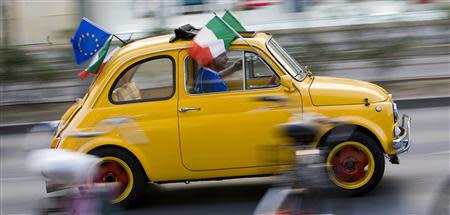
x=99 y=60
x=233 y=22
x=212 y=40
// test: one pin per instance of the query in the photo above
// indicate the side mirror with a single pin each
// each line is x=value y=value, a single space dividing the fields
x=286 y=81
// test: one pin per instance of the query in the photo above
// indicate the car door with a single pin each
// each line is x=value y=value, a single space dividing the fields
x=142 y=101
x=225 y=130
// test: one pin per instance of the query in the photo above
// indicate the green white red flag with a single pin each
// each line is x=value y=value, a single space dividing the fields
x=233 y=22
x=99 y=60
x=213 y=40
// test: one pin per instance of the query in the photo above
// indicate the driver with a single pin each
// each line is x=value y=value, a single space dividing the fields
x=210 y=77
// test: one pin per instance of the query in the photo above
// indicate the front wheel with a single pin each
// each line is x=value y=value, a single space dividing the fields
x=355 y=165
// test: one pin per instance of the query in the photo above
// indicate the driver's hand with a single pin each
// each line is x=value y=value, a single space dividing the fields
x=237 y=64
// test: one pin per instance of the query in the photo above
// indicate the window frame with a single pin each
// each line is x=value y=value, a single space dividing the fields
x=288 y=69
x=262 y=76
x=144 y=99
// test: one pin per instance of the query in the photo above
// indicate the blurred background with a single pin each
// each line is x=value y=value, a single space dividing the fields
x=386 y=42
x=402 y=45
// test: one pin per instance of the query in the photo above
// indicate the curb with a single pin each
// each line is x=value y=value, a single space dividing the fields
x=50 y=126
x=438 y=101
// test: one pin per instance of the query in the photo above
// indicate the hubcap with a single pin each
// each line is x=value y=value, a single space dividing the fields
x=111 y=170
x=351 y=165
x=110 y=177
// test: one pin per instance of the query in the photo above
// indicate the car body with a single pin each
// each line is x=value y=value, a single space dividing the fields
x=169 y=134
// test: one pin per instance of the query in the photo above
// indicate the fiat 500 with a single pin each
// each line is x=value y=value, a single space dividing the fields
x=144 y=118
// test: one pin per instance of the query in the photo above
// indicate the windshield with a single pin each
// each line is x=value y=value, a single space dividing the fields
x=286 y=60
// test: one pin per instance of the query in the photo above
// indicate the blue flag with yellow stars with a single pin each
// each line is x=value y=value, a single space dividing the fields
x=88 y=40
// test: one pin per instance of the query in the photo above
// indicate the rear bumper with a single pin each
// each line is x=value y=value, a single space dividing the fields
x=403 y=142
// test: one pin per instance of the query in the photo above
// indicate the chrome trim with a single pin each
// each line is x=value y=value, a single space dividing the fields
x=117 y=120
x=402 y=143
x=303 y=152
x=284 y=68
x=244 y=78
x=378 y=109
x=395 y=111
x=397 y=131
x=188 y=109
x=87 y=134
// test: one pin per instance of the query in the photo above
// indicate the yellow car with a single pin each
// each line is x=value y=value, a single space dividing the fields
x=144 y=118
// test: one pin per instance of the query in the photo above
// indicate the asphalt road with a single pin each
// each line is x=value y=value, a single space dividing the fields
x=416 y=186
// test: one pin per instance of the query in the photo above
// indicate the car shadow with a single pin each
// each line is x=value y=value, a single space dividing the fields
x=210 y=192
x=217 y=197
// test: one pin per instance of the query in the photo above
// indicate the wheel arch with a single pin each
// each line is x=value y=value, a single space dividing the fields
x=344 y=132
x=116 y=147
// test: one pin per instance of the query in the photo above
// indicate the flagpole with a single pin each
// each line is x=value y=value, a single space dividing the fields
x=119 y=39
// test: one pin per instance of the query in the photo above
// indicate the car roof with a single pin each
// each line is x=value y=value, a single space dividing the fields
x=157 y=43
x=161 y=43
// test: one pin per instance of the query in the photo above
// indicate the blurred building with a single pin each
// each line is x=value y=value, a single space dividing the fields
x=311 y=30
x=34 y=22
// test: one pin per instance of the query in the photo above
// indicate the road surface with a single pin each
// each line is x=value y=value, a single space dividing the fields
x=413 y=187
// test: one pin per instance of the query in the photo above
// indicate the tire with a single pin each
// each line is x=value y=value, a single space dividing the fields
x=120 y=166
x=355 y=165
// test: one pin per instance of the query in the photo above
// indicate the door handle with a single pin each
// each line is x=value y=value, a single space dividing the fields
x=188 y=109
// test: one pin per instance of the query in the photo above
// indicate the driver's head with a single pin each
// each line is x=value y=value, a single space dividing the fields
x=219 y=63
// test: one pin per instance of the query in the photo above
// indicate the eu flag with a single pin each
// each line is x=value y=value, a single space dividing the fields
x=87 y=40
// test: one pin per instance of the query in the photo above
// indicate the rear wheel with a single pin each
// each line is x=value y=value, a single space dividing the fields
x=121 y=167
x=355 y=165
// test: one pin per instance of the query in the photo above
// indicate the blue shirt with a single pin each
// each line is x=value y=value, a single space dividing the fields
x=209 y=81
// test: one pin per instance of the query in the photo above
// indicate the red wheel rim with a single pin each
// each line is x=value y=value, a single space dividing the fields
x=349 y=164
x=111 y=171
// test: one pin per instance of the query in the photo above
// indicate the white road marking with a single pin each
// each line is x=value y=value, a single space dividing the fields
x=439 y=153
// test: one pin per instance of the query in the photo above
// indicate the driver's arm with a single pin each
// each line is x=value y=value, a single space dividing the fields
x=231 y=69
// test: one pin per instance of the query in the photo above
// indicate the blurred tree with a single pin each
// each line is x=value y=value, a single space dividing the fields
x=380 y=53
x=17 y=64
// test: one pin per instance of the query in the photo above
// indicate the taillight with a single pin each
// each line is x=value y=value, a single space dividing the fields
x=55 y=142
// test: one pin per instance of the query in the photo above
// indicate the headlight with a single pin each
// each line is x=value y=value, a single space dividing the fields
x=395 y=111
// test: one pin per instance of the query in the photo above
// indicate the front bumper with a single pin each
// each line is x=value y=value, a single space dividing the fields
x=402 y=143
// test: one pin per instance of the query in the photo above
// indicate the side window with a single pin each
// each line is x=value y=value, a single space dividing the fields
x=225 y=75
x=258 y=73
x=147 y=80
x=230 y=76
